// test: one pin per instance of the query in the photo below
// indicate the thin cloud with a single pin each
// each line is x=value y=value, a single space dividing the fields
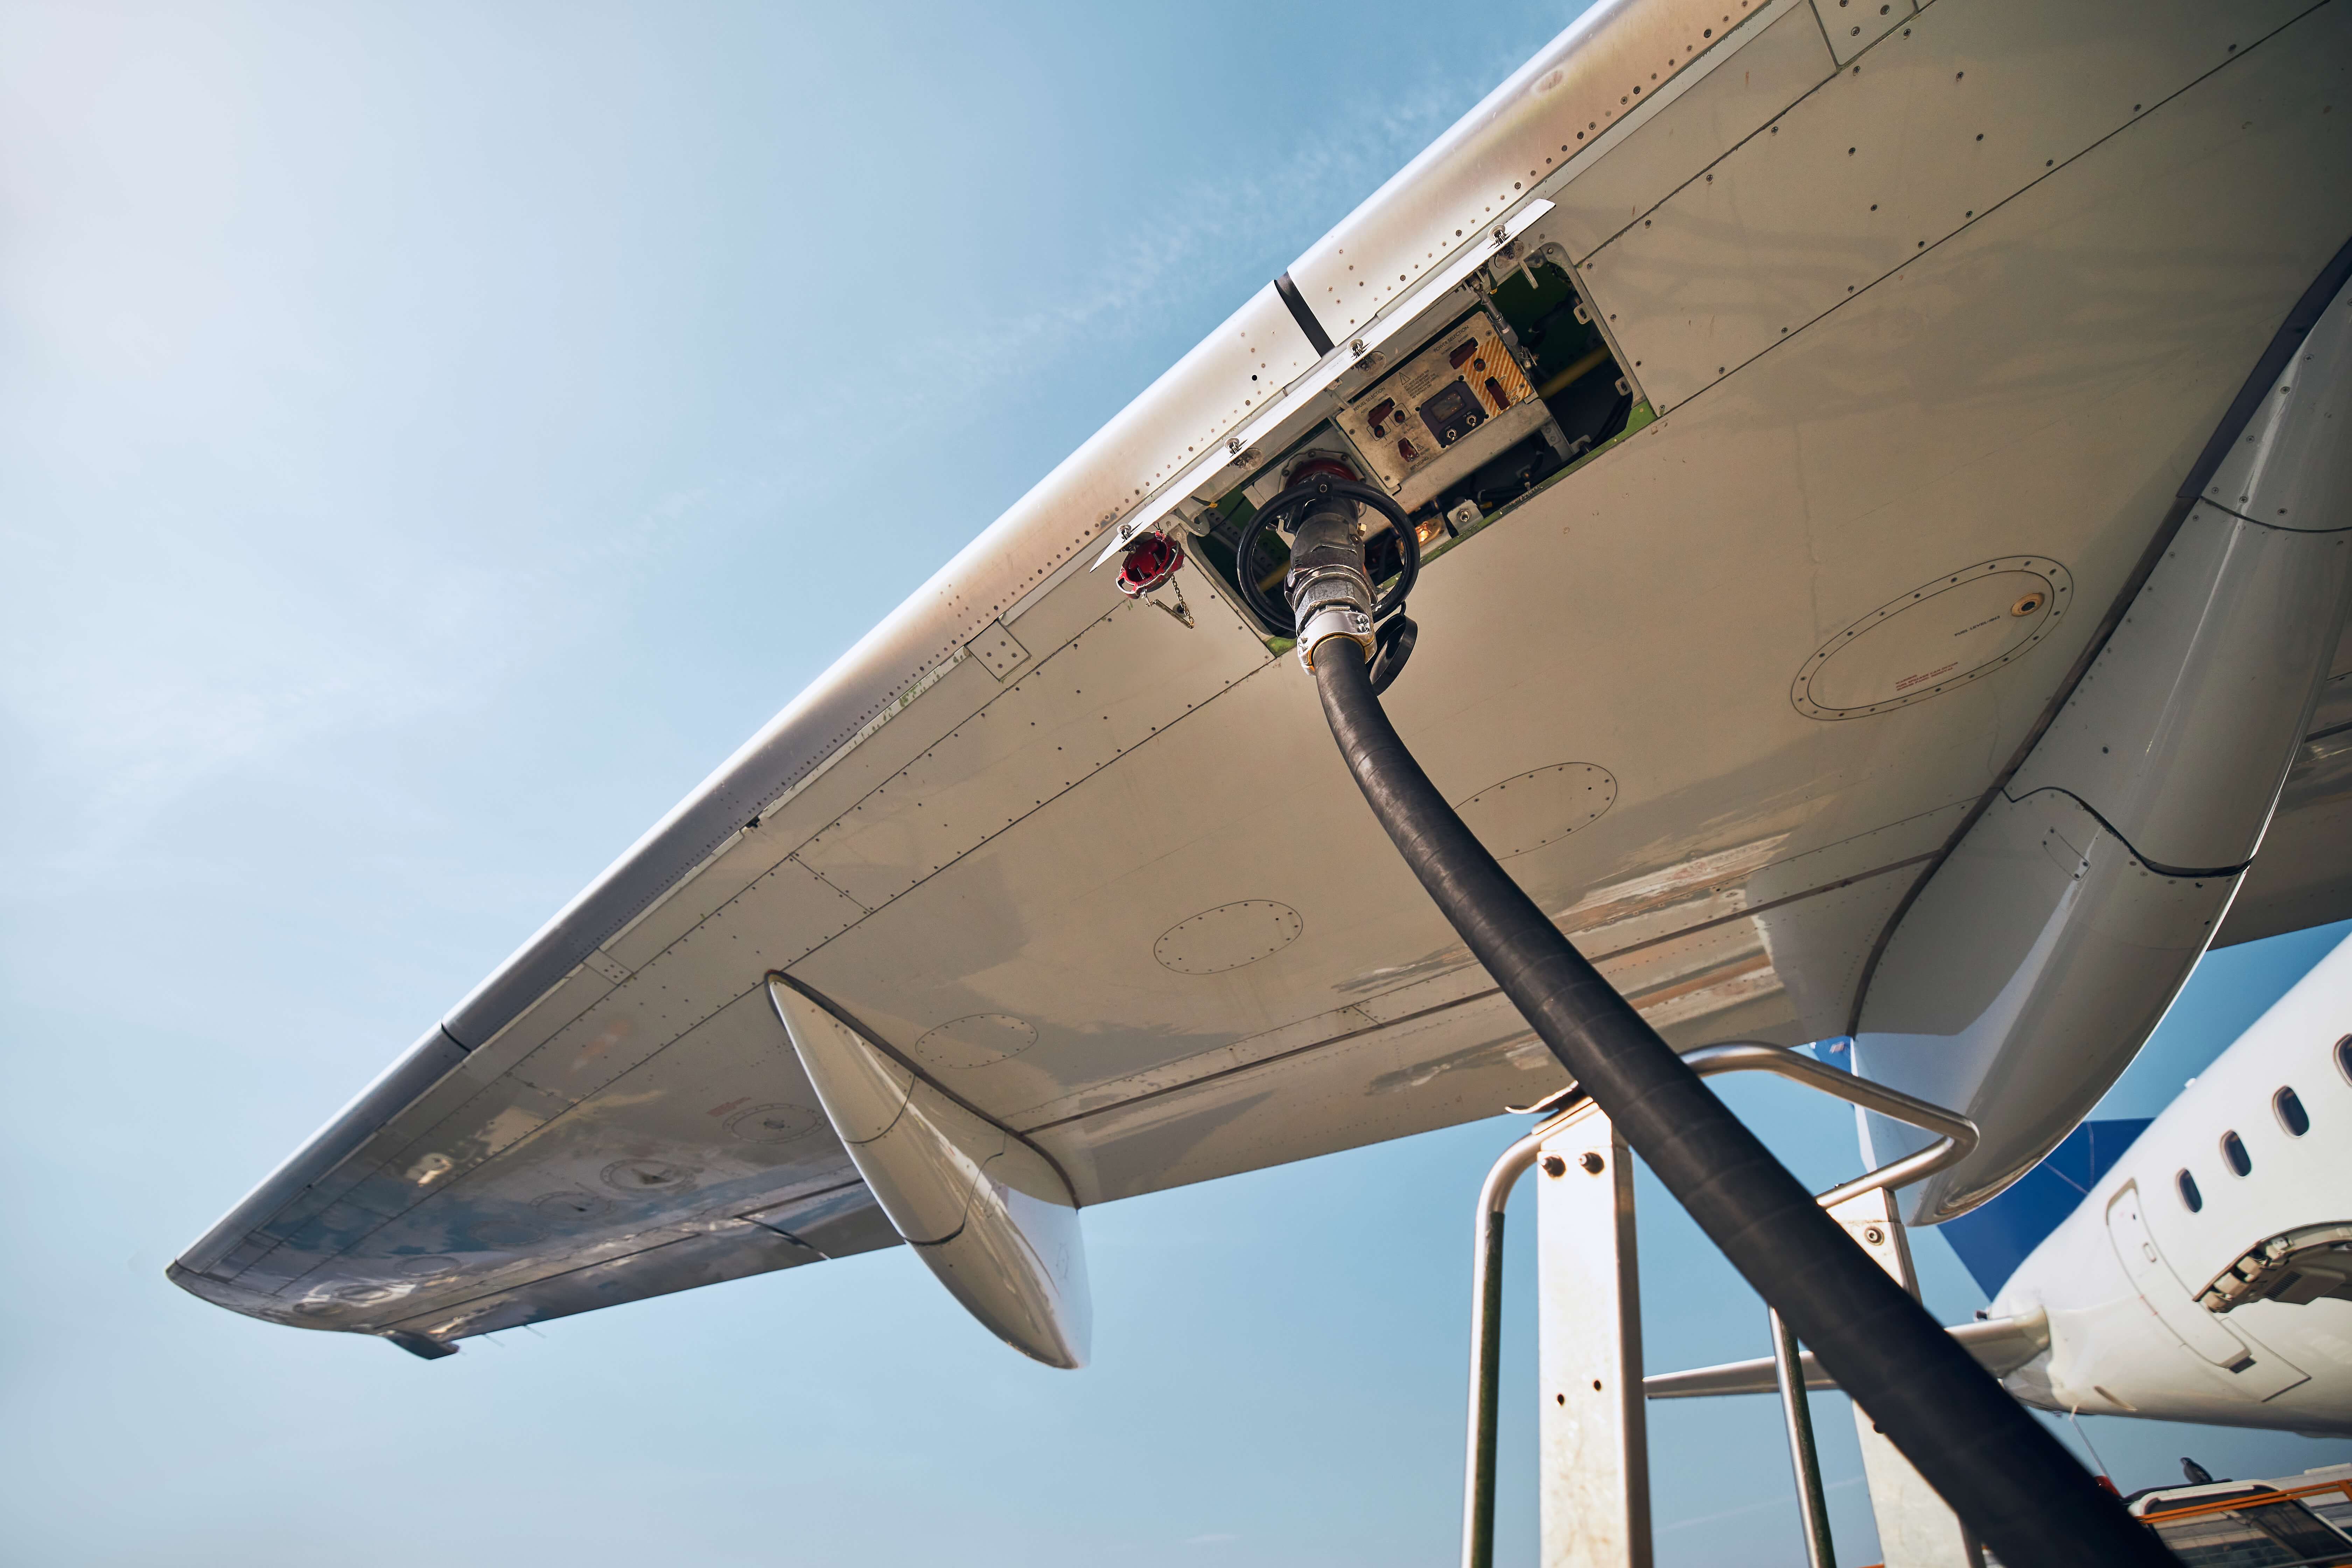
x=1195 y=254
x=1769 y=1505
x=191 y=667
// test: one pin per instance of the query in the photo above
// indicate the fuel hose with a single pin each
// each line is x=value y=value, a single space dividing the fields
x=2007 y=1477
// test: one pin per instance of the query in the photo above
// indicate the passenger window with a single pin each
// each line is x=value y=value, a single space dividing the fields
x=2233 y=1151
x=2343 y=1058
x=2290 y=1113
x=2190 y=1199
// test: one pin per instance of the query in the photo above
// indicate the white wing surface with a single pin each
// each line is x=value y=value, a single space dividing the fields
x=1864 y=310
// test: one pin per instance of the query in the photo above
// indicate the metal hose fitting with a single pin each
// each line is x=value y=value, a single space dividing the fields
x=1330 y=590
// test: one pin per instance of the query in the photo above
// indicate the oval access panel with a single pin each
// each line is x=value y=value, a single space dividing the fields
x=1535 y=808
x=1944 y=634
x=1228 y=937
x=646 y=1176
x=979 y=1040
x=778 y=1123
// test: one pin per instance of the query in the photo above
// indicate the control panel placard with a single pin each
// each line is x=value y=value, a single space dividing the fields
x=1464 y=377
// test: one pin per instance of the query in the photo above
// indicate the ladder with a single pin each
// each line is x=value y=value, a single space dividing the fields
x=1594 y=1502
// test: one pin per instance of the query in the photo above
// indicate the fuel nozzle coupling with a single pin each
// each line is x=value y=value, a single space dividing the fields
x=1329 y=584
x=1329 y=589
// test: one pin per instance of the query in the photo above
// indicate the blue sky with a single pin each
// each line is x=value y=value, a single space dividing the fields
x=430 y=438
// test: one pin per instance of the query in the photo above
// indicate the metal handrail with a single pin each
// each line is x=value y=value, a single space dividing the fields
x=1486 y=1337
x=1797 y=1416
x=1958 y=1137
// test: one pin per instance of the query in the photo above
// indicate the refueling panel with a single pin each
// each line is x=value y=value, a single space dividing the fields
x=1507 y=387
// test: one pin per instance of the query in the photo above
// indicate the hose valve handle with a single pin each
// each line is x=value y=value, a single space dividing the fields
x=1329 y=587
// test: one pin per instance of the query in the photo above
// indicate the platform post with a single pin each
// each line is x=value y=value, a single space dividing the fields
x=1595 y=1479
x=1804 y=1459
x=1916 y=1528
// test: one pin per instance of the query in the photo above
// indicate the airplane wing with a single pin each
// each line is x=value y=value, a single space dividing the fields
x=1786 y=399
x=2303 y=878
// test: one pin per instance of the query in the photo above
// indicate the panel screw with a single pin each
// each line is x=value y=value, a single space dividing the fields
x=1591 y=1161
x=1874 y=1236
x=1553 y=1165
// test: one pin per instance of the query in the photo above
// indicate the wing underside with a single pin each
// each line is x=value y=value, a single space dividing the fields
x=1099 y=873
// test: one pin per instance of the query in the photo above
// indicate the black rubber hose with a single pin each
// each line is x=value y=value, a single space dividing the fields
x=2000 y=1472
